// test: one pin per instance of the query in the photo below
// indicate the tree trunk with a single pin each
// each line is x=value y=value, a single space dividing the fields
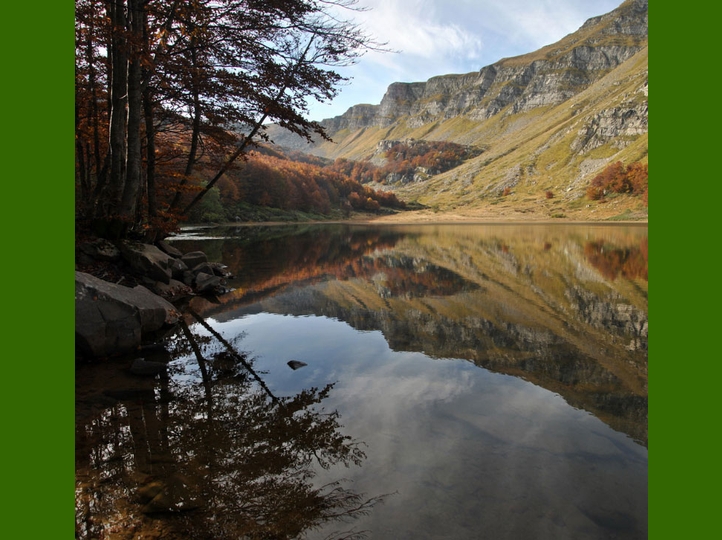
x=150 y=153
x=131 y=189
x=118 y=113
x=148 y=103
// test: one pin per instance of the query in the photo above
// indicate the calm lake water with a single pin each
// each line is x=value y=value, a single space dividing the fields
x=450 y=381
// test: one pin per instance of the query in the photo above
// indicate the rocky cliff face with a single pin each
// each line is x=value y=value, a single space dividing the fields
x=546 y=77
x=547 y=121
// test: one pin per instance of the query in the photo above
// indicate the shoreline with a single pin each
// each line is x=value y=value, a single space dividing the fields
x=425 y=217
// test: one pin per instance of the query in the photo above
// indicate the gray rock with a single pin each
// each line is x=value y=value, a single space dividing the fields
x=165 y=247
x=296 y=364
x=194 y=258
x=220 y=269
x=174 y=289
x=188 y=278
x=111 y=319
x=101 y=250
x=177 y=268
x=147 y=260
x=155 y=312
x=207 y=283
x=203 y=267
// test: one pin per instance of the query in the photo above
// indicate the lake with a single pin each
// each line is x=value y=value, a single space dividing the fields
x=384 y=382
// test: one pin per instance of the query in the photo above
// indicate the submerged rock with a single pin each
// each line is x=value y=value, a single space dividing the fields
x=296 y=364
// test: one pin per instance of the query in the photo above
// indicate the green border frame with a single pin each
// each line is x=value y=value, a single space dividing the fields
x=684 y=360
x=38 y=399
x=38 y=223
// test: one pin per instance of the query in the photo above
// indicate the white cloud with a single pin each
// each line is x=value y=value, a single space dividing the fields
x=438 y=37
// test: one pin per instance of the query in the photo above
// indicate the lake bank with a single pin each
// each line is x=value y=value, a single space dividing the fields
x=473 y=216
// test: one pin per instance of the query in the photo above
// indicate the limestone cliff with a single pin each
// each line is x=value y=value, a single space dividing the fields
x=545 y=77
x=549 y=120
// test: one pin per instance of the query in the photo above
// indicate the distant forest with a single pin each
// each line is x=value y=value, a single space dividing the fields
x=295 y=182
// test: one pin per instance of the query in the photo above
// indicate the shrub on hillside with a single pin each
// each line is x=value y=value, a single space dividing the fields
x=617 y=178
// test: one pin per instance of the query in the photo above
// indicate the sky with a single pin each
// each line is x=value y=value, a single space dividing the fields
x=440 y=37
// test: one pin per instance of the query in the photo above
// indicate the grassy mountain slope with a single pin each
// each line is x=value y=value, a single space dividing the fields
x=565 y=112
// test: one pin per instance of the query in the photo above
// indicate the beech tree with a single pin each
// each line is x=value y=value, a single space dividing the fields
x=164 y=84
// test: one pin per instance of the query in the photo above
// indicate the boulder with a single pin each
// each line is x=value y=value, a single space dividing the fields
x=202 y=268
x=220 y=269
x=173 y=290
x=194 y=258
x=155 y=312
x=112 y=319
x=101 y=250
x=165 y=247
x=188 y=278
x=177 y=267
x=147 y=260
x=207 y=283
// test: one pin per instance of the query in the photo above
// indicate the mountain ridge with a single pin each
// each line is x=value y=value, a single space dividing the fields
x=548 y=120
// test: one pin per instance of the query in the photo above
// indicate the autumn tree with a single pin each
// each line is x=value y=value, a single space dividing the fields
x=163 y=84
x=616 y=178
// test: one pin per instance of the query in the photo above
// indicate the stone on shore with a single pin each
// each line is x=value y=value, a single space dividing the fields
x=194 y=258
x=112 y=319
x=207 y=283
x=147 y=260
x=170 y=250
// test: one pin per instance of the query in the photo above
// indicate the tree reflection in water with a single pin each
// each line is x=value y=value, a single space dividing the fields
x=208 y=451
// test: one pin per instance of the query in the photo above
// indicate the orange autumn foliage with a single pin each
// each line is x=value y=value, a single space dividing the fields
x=612 y=262
x=272 y=181
x=617 y=178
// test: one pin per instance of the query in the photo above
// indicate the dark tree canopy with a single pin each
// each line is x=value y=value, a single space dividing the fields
x=164 y=84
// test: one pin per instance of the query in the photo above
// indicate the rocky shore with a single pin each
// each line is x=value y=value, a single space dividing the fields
x=129 y=294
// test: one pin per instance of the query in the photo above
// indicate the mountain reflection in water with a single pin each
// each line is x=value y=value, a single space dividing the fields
x=481 y=381
x=562 y=306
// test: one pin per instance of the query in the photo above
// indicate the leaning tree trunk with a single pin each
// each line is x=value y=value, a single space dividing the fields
x=196 y=127
x=256 y=128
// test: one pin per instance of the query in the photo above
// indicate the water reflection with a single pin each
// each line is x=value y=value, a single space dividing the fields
x=563 y=307
x=497 y=377
x=204 y=449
